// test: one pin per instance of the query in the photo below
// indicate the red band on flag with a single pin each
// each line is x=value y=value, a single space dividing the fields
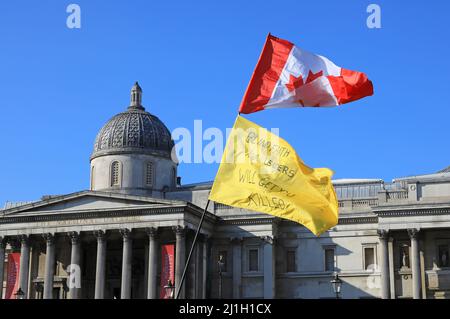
x=350 y=86
x=266 y=74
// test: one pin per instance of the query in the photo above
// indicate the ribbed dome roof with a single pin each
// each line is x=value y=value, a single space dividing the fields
x=134 y=131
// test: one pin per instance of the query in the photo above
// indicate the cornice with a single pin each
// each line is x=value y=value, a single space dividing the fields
x=406 y=212
x=43 y=217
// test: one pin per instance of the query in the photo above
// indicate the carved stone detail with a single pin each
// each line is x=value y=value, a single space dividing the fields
x=383 y=234
x=126 y=233
x=100 y=234
x=152 y=232
x=24 y=239
x=413 y=233
x=74 y=237
x=236 y=240
x=49 y=238
x=268 y=239
x=179 y=230
x=3 y=241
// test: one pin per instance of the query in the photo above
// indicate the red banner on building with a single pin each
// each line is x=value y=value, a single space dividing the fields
x=167 y=270
x=12 y=275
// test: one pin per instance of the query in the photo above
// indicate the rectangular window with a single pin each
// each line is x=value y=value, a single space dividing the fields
x=291 y=265
x=329 y=259
x=253 y=262
x=369 y=258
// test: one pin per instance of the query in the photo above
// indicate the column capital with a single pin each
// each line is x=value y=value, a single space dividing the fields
x=3 y=241
x=413 y=233
x=24 y=239
x=179 y=230
x=383 y=234
x=126 y=233
x=13 y=241
x=152 y=232
x=268 y=239
x=100 y=234
x=49 y=238
x=74 y=237
x=204 y=237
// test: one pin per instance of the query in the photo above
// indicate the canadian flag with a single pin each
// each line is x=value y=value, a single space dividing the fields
x=287 y=76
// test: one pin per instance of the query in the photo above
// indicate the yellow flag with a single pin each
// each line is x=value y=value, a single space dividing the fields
x=262 y=172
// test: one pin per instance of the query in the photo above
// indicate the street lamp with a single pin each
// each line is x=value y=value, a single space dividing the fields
x=220 y=266
x=170 y=288
x=19 y=294
x=336 y=283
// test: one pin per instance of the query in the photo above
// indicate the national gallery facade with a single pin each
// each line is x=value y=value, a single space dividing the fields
x=129 y=235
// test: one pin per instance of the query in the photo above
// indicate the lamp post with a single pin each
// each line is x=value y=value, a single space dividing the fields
x=19 y=294
x=170 y=288
x=220 y=267
x=336 y=283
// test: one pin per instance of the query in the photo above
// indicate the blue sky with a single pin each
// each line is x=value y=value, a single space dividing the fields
x=193 y=59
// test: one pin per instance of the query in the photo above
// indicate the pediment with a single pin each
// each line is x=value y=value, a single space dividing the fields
x=89 y=201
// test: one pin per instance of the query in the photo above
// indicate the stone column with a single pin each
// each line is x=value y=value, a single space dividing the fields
x=269 y=267
x=49 y=266
x=125 y=290
x=237 y=266
x=415 y=263
x=24 y=269
x=204 y=265
x=100 y=269
x=152 y=263
x=180 y=259
x=391 y=266
x=75 y=266
x=2 y=263
x=384 y=263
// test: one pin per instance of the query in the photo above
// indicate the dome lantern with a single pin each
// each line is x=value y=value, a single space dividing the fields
x=136 y=97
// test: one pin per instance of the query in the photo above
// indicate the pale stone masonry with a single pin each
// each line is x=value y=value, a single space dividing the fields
x=392 y=240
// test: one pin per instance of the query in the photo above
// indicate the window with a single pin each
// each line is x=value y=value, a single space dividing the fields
x=253 y=262
x=291 y=265
x=222 y=258
x=149 y=174
x=369 y=258
x=329 y=259
x=115 y=172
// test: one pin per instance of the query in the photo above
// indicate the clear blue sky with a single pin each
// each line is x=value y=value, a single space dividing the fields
x=194 y=59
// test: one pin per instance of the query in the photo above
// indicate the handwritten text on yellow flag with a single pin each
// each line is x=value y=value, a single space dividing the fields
x=262 y=172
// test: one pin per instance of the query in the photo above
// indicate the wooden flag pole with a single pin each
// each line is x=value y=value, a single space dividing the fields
x=178 y=289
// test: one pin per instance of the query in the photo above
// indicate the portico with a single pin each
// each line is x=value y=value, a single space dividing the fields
x=125 y=241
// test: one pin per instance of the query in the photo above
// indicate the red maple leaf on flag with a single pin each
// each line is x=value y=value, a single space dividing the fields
x=296 y=82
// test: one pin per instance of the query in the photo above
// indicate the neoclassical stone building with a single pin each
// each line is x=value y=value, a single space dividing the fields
x=392 y=240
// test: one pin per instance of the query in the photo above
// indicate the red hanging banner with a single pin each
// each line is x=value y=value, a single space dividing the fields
x=167 y=270
x=12 y=276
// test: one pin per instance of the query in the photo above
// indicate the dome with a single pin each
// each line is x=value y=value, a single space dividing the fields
x=134 y=131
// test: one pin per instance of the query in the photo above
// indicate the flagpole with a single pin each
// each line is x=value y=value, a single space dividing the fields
x=178 y=289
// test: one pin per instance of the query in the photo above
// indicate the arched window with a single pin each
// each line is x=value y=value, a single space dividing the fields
x=149 y=174
x=115 y=173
